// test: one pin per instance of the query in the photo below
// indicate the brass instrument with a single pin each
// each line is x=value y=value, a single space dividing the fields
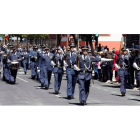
x=35 y=57
x=5 y=55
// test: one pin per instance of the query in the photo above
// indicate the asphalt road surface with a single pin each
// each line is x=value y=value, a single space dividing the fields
x=29 y=92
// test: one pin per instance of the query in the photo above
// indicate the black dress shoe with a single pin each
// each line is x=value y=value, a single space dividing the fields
x=123 y=94
x=72 y=97
x=69 y=96
x=42 y=85
x=82 y=102
x=25 y=72
x=46 y=88
x=85 y=103
x=56 y=92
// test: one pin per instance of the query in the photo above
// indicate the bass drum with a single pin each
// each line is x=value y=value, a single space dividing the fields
x=14 y=65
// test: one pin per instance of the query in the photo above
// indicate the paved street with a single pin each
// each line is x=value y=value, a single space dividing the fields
x=29 y=92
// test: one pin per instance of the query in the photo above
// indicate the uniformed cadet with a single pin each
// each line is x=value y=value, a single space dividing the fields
x=13 y=57
x=29 y=60
x=7 y=65
x=34 y=62
x=20 y=51
x=71 y=72
x=85 y=73
x=25 y=60
x=123 y=69
x=136 y=65
x=1 y=59
x=47 y=67
x=53 y=49
x=58 y=69
x=39 y=64
x=89 y=52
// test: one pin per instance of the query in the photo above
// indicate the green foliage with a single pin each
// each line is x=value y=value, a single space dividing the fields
x=31 y=36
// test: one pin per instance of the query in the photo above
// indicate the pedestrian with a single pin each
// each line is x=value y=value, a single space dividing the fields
x=34 y=62
x=58 y=69
x=25 y=60
x=39 y=64
x=71 y=72
x=29 y=60
x=13 y=60
x=123 y=69
x=47 y=63
x=136 y=65
x=85 y=73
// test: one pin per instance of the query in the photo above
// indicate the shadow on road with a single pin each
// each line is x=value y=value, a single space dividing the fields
x=39 y=87
x=135 y=95
x=117 y=95
x=54 y=93
x=135 y=100
x=111 y=86
x=85 y=105
x=65 y=98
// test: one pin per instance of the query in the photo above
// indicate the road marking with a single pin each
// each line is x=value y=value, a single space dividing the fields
x=105 y=89
x=98 y=87
x=58 y=96
x=22 y=73
x=39 y=87
x=131 y=97
x=22 y=79
x=89 y=102
x=112 y=91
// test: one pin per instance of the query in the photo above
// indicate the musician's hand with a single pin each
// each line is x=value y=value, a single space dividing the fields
x=93 y=57
x=9 y=61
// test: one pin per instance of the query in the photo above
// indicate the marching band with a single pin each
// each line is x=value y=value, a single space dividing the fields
x=78 y=65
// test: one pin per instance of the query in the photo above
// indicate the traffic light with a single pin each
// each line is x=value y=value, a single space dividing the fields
x=92 y=37
x=96 y=35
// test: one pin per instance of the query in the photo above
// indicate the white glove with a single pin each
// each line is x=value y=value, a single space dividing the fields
x=65 y=64
x=52 y=63
x=64 y=68
x=38 y=70
x=105 y=59
x=116 y=66
x=136 y=66
x=76 y=68
x=22 y=57
x=128 y=50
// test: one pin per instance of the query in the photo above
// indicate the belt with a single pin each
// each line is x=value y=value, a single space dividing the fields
x=58 y=66
x=124 y=68
x=84 y=71
x=72 y=67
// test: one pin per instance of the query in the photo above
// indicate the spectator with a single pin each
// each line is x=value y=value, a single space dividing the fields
x=102 y=48
x=99 y=48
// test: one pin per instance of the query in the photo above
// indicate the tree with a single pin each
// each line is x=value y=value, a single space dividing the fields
x=31 y=37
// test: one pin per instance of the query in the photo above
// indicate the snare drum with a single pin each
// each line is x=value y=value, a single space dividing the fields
x=14 y=65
